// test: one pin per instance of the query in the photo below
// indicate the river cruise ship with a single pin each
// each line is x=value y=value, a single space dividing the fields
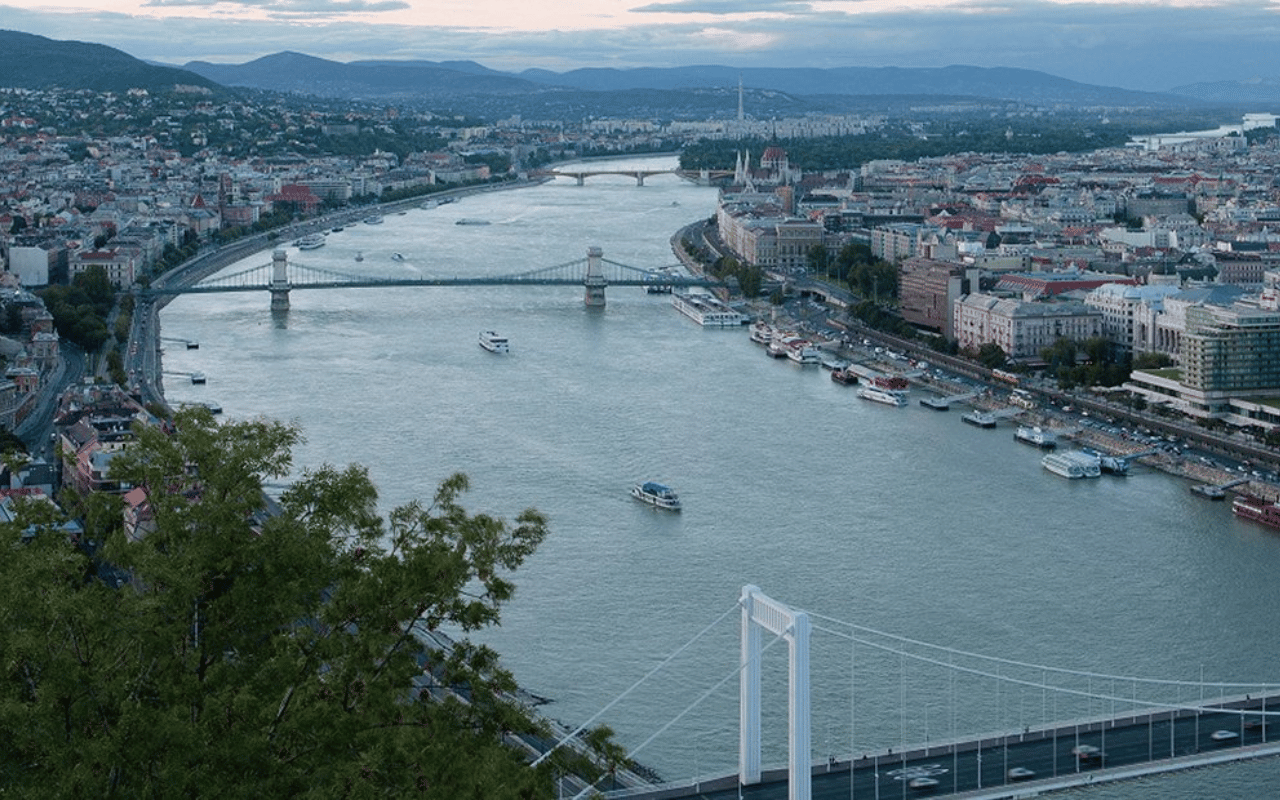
x=313 y=241
x=706 y=310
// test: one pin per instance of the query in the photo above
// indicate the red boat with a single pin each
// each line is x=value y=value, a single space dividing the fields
x=1256 y=509
x=894 y=382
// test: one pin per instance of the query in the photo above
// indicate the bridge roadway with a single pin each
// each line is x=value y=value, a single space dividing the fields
x=1127 y=746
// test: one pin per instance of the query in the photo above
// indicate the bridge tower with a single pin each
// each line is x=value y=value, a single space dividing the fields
x=761 y=611
x=279 y=281
x=595 y=281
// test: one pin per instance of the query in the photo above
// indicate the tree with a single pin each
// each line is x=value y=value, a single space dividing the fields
x=992 y=355
x=259 y=651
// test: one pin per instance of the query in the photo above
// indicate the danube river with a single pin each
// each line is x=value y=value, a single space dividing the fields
x=900 y=519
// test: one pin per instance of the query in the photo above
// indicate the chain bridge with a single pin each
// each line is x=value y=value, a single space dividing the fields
x=925 y=720
x=594 y=273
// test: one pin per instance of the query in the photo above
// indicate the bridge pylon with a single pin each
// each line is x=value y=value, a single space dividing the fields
x=279 y=281
x=761 y=612
x=595 y=282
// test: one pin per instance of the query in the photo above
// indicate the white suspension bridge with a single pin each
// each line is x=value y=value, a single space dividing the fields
x=1046 y=727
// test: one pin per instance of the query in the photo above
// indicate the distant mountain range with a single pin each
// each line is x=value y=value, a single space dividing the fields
x=691 y=92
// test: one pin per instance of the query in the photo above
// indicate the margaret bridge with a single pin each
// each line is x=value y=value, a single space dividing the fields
x=702 y=177
x=594 y=273
x=1047 y=728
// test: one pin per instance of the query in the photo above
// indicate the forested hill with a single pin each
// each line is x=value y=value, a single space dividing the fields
x=28 y=61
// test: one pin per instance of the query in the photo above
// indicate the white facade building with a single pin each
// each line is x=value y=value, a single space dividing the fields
x=1021 y=329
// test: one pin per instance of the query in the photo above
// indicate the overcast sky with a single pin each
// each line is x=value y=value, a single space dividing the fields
x=1152 y=45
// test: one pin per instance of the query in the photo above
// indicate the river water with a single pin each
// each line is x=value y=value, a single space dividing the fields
x=899 y=519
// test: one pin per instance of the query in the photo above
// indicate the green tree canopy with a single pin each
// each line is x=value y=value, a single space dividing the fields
x=260 y=651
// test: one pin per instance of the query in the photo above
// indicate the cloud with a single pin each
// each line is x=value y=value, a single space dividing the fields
x=723 y=7
x=292 y=7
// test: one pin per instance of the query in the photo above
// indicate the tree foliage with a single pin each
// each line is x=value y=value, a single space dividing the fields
x=260 y=652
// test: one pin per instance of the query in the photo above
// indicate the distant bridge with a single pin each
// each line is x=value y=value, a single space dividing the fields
x=703 y=177
x=280 y=277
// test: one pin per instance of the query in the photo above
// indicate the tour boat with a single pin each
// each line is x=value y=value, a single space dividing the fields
x=1256 y=509
x=656 y=495
x=494 y=343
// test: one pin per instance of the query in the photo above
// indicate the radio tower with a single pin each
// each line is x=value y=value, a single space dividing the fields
x=741 y=117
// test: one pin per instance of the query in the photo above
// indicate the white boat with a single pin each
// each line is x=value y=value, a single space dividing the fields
x=982 y=419
x=1072 y=464
x=373 y=220
x=802 y=351
x=312 y=241
x=761 y=332
x=890 y=397
x=657 y=495
x=397 y=256
x=1036 y=436
x=706 y=310
x=494 y=343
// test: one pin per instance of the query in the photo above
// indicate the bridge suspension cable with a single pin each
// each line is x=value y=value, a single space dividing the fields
x=698 y=701
x=635 y=685
x=1044 y=685
x=1045 y=667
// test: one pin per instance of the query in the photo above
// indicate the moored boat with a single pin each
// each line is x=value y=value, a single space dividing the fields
x=761 y=332
x=890 y=397
x=1256 y=509
x=1072 y=464
x=198 y=377
x=312 y=241
x=706 y=310
x=494 y=343
x=981 y=419
x=1036 y=436
x=373 y=220
x=656 y=495
x=845 y=376
x=802 y=351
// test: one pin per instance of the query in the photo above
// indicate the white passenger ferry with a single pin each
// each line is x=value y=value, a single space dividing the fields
x=1072 y=464
x=494 y=343
x=313 y=241
x=657 y=495
x=890 y=397
x=706 y=310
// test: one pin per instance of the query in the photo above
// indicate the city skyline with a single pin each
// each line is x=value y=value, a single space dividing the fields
x=1151 y=46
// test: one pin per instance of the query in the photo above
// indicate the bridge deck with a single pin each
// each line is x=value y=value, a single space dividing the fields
x=1124 y=747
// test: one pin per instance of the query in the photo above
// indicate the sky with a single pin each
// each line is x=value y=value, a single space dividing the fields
x=1150 y=45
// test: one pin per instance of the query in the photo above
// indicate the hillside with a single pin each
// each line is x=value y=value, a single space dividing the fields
x=28 y=61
